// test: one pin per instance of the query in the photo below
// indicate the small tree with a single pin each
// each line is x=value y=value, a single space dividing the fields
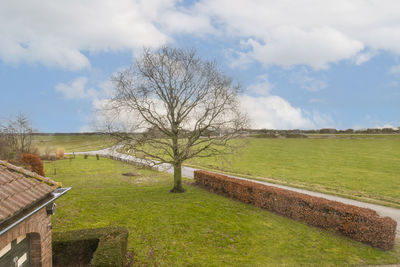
x=16 y=138
x=179 y=107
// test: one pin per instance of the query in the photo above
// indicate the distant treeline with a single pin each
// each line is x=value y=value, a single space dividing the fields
x=294 y=132
x=297 y=132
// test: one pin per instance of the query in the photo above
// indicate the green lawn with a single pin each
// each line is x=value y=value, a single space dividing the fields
x=72 y=143
x=366 y=167
x=196 y=228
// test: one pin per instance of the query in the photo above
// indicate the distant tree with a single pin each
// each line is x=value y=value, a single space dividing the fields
x=16 y=137
x=183 y=107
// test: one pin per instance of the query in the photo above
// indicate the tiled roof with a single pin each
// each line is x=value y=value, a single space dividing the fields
x=20 y=188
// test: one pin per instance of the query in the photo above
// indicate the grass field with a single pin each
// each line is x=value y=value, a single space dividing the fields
x=72 y=143
x=366 y=167
x=196 y=228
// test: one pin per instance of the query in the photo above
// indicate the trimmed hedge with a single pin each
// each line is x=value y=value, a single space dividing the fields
x=107 y=245
x=360 y=224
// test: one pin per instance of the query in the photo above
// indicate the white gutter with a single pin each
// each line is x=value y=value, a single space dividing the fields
x=54 y=195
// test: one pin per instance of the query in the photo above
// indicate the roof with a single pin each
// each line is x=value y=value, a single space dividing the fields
x=20 y=189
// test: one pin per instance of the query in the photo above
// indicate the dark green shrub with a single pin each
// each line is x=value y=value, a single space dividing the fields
x=73 y=252
x=101 y=246
x=85 y=156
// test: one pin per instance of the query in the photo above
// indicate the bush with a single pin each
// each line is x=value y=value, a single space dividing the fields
x=33 y=163
x=361 y=224
x=60 y=153
x=85 y=156
x=99 y=247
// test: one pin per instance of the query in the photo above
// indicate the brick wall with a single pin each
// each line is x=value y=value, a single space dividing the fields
x=38 y=228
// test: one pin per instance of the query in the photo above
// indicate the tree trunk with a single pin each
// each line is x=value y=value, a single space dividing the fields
x=177 y=179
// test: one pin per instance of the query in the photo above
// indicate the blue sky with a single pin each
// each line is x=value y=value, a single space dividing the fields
x=303 y=64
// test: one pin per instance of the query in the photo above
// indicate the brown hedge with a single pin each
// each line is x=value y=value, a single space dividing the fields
x=33 y=162
x=360 y=224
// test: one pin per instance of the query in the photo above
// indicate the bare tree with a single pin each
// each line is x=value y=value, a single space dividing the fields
x=16 y=137
x=23 y=130
x=180 y=107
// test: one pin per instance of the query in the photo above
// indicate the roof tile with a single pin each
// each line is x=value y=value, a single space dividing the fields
x=20 y=188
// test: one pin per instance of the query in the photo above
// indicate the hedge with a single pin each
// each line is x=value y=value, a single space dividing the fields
x=360 y=224
x=99 y=247
x=34 y=163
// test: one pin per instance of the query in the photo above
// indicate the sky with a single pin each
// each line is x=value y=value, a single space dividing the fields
x=303 y=64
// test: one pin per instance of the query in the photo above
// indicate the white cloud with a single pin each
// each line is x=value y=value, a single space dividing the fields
x=288 y=46
x=57 y=33
x=311 y=32
x=75 y=89
x=284 y=33
x=364 y=57
x=274 y=112
x=395 y=69
x=261 y=87
x=306 y=81
x=79 y=89
x=264 y=110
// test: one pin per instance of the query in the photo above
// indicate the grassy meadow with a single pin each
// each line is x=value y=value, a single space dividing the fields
x=71 y=143
x=365 y=167
x=196 y=228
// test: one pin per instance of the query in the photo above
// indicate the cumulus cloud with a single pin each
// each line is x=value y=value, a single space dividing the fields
x=265 y=110
x=304 y=32
x=58 y=33
x=315 y=47
x=274 y=112
x=311 y=32
x=79 y=89
x=76 y=89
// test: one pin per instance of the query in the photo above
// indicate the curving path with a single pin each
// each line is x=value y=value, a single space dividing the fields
x=189 y=173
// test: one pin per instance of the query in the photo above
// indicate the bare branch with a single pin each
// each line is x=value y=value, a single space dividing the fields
x=185 y=106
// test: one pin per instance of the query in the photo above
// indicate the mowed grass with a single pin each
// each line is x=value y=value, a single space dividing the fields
x=72 y=143
x=196 y=228
x=366 y=168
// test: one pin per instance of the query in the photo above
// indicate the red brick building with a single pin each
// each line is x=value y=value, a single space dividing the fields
x=26 y=206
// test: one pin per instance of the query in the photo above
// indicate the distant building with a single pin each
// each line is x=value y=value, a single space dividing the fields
x=26 y=206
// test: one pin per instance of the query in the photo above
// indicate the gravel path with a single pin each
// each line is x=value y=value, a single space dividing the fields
x=189 y=173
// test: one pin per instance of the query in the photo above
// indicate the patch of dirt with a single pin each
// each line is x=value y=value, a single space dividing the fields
x=130 y=174
x=129 y=258
x=141 y=180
